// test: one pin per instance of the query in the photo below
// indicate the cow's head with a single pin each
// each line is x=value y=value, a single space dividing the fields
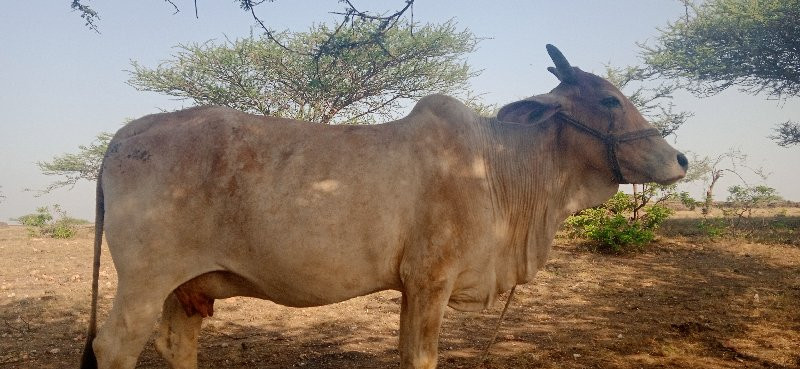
x=603 y=125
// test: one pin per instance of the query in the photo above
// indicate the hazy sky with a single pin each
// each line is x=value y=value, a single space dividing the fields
x=61 y=84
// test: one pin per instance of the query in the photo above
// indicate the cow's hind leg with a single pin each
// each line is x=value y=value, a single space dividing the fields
x=178 y=333
x=130 y=323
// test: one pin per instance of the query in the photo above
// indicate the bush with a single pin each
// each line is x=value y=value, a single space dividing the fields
x=41 y=223
x=613 y=229
x=743 y=199
x=711 y=227
x=36 y=220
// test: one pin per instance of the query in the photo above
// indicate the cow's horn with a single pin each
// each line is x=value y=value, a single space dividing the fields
x=565 y=71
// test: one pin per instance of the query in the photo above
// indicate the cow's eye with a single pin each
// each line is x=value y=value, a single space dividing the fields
x=610 y=102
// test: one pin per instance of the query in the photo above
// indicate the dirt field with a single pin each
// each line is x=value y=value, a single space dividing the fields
x=686 y=303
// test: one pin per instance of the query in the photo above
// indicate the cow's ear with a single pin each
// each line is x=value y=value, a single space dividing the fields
x=532 y=110
x=555 y=72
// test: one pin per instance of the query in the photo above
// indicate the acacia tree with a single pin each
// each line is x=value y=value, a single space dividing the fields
x=786 y=134
x=85 y=164
x=712 y=169
x=743 y=199
x=724 y=43
x=350 y=81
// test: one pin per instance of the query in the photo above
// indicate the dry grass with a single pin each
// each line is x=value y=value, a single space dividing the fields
x=767 y=226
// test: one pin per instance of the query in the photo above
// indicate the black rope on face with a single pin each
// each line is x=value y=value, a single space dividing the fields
x=611 y=141
x=611 y=150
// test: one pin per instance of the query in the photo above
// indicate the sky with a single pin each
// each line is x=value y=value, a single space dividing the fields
x=61 y=83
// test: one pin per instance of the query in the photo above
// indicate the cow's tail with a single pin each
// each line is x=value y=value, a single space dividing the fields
x=89 y=361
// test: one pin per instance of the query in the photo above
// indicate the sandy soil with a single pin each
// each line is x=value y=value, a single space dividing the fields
x=683 y=304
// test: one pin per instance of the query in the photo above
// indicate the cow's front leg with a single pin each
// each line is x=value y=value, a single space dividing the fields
x=421 y=315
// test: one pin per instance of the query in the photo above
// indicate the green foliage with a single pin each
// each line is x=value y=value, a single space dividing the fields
x=752 y=44
x=745 y=43
x=743 y=199
x=787 y=134
x=83 y=165
x=612 y=228
x=43 y=224
x=751 y=196
x=654 y=216
x=36 y=220
x=712 y=227
x=88 y=14
x=687 y=200
x=326 y=75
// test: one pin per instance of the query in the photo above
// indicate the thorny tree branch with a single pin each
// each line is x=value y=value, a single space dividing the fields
x=351 y=12
x=176 y=7
x=88 y=14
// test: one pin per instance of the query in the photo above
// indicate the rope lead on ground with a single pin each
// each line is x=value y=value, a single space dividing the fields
x=496 y=328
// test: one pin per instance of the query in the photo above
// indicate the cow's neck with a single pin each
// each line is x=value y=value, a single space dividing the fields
x=536 y=181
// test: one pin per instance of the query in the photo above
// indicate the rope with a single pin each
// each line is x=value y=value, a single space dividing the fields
x=496 y=328
x=611 y=141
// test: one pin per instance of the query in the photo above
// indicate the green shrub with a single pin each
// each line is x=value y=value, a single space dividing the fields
x=61 y=229
x=613 y=229
x=687 y=200
x=42 y=224
x=37 y=219
x=711 y=227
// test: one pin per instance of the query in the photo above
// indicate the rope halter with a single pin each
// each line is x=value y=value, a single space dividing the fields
x=611 y=141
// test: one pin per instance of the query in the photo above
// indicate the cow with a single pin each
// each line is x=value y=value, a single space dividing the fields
x=445 y=206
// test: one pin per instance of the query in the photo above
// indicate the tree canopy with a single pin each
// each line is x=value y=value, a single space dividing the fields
x=327 y=74
x=754 y=45
x=745 y=43
x=787 y=134
x=385 y=21
x=82 y=165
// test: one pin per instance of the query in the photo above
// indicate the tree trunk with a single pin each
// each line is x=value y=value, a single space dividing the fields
x=635 y=202
x=709 y=203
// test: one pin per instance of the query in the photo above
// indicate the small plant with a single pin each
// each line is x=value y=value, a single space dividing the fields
x=42 y=224
x=711 y=227
x=688 y=201
x=36 y=221
x=611 y=226
x=743 y=199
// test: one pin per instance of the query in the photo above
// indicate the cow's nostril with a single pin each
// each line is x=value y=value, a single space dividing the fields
x=683 y=161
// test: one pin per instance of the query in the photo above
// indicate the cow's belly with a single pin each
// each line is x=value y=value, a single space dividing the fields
x=314 y=247
x=313 y=276
x=298 y=258
x=292 y=256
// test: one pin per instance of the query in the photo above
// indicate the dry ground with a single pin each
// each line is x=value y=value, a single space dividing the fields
x=685 y=303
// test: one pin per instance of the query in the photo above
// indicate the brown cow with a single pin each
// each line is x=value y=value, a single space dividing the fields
x=445 y=206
